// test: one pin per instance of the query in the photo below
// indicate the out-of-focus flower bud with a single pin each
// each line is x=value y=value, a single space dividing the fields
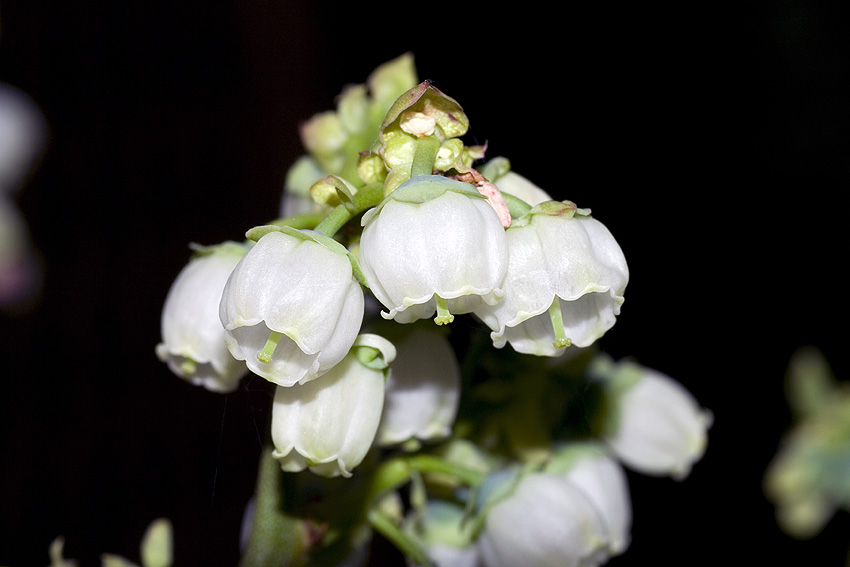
x=546 y=520
x=655 y=426
x=423 y=390
x=591 y=467
x=445 y=534
x=193 y=343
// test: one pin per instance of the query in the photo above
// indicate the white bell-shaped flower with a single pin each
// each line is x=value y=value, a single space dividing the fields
x=292 y=308
x=433 y=245
x=592 y=468
x=193 y=343
x=546 y=521
x=329 y=424
x=655 y=426
x=564 y=285
x=422 y=391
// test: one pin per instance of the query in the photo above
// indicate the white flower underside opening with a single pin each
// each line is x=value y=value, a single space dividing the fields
x=565 y=280
x=300 y=295
x=448 y=254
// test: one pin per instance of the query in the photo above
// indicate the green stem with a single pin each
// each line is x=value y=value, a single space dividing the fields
x=429 y=463
x=276 y=538
x=390 y=530
x=396 y=472
x=425 y=156
x=366 y=197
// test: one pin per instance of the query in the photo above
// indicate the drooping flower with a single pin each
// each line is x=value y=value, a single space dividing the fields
x=546 y=520
x=565 y=282
x=292 y=307
x=329 y=425
x=655 y=425
x=433 y=245
x=601 y=477
x=193 y=343
x=423 y=390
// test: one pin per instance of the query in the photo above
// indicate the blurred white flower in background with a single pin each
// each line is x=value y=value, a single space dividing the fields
x=23 y=134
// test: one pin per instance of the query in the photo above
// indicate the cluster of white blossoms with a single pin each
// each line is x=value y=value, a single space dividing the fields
x=349 y=305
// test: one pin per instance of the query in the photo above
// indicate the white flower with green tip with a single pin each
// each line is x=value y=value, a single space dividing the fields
x=565 y=282
x=433 y=245
x=329 y=425
x=292 y=307
x=193 y=340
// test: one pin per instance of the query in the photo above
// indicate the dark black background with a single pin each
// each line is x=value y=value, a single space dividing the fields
x=709 y=139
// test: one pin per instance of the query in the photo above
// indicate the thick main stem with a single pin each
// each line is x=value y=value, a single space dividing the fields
x=276 y=538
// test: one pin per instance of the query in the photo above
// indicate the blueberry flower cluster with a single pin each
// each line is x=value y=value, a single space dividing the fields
x=379 y=305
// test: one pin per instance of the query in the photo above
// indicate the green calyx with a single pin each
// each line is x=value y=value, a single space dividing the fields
x=424 y=110
x=374 y=351
x=564 y=209
x=316 y=236
x=228 y=247
x=422 y=189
